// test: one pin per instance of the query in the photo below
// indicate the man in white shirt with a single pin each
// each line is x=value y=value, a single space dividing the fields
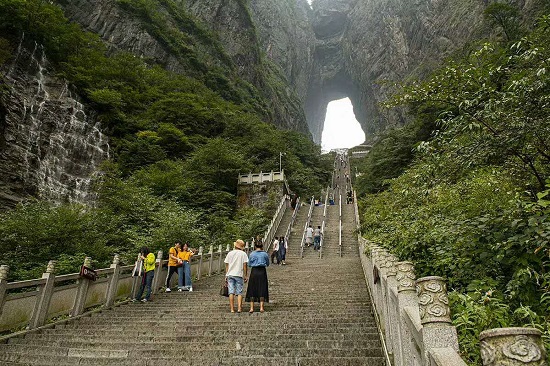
x=309 y=236
x=236 y=273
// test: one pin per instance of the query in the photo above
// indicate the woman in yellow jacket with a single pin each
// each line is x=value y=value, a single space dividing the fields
x=148 y=259
x=184 y=272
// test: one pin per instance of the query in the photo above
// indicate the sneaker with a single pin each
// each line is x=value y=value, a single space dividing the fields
x=134 y=300
x=180 y=290
x=144 y=300
x=168 y=289
x=190 y=289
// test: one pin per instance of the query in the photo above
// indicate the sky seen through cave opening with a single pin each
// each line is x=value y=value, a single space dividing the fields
x=341 y=129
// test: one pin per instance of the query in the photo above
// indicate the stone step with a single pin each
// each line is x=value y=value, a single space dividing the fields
x=240 y=360
x=20 y=352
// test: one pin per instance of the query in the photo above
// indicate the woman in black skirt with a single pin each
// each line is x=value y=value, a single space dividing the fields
x=257 y=283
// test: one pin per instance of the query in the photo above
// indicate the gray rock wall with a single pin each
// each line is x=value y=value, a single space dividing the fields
x=50 y=145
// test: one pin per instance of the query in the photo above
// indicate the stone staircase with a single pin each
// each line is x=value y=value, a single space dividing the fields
x=320 y=314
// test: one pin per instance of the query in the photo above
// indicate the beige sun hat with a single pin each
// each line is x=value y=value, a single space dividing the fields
x=239 y=244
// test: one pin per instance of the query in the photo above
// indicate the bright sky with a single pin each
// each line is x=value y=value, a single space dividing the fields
x=341 y=129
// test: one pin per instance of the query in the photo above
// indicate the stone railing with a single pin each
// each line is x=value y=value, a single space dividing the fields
x=262 y=177
x=414 y=318
x=33 y=303
x=275 y=222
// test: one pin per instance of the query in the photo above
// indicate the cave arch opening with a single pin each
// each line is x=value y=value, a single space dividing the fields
x=340 y=127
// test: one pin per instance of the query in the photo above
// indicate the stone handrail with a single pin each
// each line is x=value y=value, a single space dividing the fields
x=51 y=296
x=275 y=221
x=262 y=177
x=414 y=318
x=308 y=221
x=340 y=224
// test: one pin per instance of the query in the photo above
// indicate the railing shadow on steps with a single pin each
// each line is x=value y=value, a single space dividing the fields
x=34 y=304
x=414 y=318
x=308 y=221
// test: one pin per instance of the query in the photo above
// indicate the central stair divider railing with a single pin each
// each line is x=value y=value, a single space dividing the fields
x=292 y=220
x=414 y=317
x=274 y=224
x=340 y=224
x=323 y=225
x=311 y=204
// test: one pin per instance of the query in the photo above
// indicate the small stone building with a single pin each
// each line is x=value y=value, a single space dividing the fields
x=257 y=189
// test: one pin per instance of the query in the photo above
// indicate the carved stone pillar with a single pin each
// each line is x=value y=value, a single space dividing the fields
x=42 y=304
x=433 y=301
x=113 y=282
x=405 y=277
x=82 y=292
x=512 y=347
x=406 y=298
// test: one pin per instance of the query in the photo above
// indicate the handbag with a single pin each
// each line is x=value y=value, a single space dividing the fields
x=224 y=291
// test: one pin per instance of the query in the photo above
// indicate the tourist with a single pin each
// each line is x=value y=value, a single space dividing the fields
x=309 y=236
x=184 y=272
x=283 y=246
x=148 y=259
x=257 y=284
x=317 y=238
x=275 y=251
x=173 y=263
x=236 y=273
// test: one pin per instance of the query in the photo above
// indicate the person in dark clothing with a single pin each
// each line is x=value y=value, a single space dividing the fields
x=257 y=283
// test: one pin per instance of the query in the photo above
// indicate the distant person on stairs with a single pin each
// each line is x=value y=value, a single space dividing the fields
x=275 y=251
x=283 y=246
x=173 y=263
x=148 y=259
x=317 y=238
x=236 y=272
x=309 y=236
x=257 y=284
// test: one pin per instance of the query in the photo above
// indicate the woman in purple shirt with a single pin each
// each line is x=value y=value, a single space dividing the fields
x=257 y=284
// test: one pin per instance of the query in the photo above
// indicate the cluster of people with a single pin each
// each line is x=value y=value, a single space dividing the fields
x=237 y=263
x=279 y=249
x=314 y=237
x=236 y=273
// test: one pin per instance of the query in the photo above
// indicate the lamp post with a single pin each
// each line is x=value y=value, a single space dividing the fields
x=281 y=161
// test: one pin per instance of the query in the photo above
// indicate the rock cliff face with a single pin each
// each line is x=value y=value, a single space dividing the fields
x=50 y=145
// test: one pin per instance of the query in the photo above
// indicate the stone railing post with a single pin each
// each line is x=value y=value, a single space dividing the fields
x=42 y=305
x=435 y=315
x=220 y=259
x=211 y=259
x=4 y=271
x=136 y=283
x=246 y=247
x=199 y=270
x=391 y=283
x=406 y=297
x=113 y=282
x=157 y=280
x=228 y=248
x=82 y=292
x=512 y=347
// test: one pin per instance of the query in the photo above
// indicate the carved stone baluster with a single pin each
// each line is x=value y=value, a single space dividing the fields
x=113 y=282
x=406 y=297
x=435 y=315
x=82 y=292
x=512 y=347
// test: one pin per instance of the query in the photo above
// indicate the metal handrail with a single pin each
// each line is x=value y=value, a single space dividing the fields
x=323 y=225
x=306 y=226
x=340 y=225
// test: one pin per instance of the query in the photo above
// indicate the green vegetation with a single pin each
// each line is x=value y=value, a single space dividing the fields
x=470 y=200
x=178 y=143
